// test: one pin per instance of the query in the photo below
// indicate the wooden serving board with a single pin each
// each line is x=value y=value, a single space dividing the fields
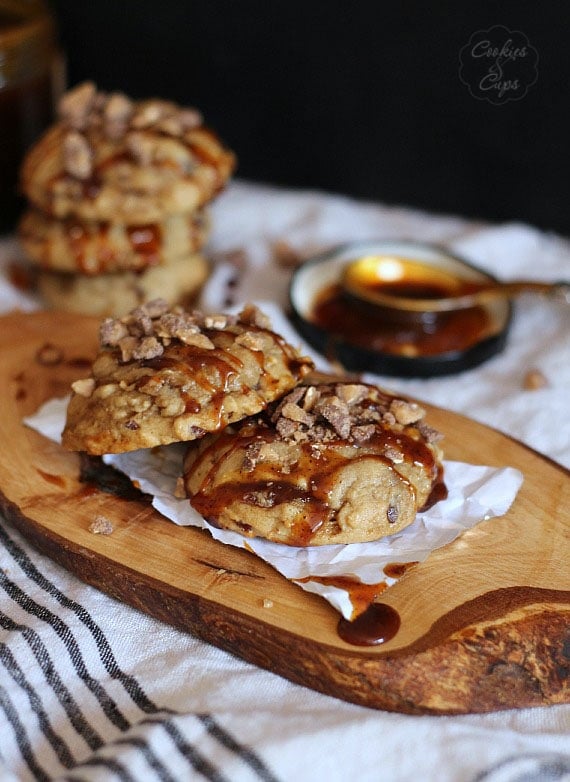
x=485 y=621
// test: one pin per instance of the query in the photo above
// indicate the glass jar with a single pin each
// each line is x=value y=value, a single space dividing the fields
x=30 y=76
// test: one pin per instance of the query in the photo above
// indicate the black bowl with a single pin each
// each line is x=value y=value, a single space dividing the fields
x=323 y=271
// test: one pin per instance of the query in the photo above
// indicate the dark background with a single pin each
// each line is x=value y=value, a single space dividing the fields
x=360 y=98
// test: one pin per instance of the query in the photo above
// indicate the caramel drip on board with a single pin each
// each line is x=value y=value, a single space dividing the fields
x=361 y=595
x=376 y=625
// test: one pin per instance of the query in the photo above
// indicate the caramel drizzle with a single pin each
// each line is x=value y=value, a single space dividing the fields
x=314 y=509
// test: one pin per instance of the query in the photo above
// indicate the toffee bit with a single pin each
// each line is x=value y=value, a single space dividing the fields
x=112 y=331
x=77 y=155
x=312 y=396
x=127 y=346
x=296 y=413
x=145 y=331
x=430 y=434
x=286 y=428
x=140 y=323
x=362 y=433
x=141 y=147
x=197 y=340
x=393 y=454
x=118 y=108
x=156 y=307
x=251 y=457
x=75 y=105
x=84 y=387
x=250 y=340
x=293 y=397
x=262 y=499
x=253 y=316
x=534 y=380
x=285 y=256
x=179 y=489
x=217 y=322
x=49 y=355
x=335 y=411
x=190 y=118
x=406 y=412
x=149 y=112
x=392 y=514
x=101 y=525
x=351 y=393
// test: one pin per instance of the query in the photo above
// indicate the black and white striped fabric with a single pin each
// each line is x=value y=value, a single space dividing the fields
x=71 y=707
x=91 y=689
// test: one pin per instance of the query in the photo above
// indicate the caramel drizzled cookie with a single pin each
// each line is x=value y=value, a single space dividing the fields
x=329 y=463
x=109 y=158
x=167 y=375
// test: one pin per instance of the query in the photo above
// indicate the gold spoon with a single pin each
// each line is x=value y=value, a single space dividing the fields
x=380 y=280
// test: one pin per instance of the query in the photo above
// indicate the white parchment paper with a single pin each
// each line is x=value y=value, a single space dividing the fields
x=476 y=494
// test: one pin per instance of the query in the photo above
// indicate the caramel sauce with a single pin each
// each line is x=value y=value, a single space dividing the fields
x=398 y=569
x=412 y=450
x=211 y=370
x=371 y=328
x=146 y=240
x=360 y=595
x=77 y=237
x=376 y=625
x=57 y=480
x=98 y=476
x=21 y=277
x=438 y=492
x=79 y=363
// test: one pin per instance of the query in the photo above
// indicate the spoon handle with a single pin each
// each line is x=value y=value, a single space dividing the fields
x=503 y=290
x=500 y=290
x=482 y=295
x=561 y=288
x=558 y=290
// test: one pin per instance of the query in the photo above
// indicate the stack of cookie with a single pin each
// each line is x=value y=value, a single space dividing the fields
x=118 y=193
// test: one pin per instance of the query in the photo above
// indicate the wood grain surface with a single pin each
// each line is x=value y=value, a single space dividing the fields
x=485 y=621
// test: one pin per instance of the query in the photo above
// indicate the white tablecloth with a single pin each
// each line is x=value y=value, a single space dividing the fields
x=93 y=690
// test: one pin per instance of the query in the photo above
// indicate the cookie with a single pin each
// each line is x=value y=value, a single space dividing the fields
x=116 y=294
x=90 y=248
x=166 y=376
x=109 y=158
x=330 y=463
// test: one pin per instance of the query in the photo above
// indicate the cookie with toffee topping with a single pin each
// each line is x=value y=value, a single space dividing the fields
x=329 y=463
x=109 y=158
x=168 y=375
